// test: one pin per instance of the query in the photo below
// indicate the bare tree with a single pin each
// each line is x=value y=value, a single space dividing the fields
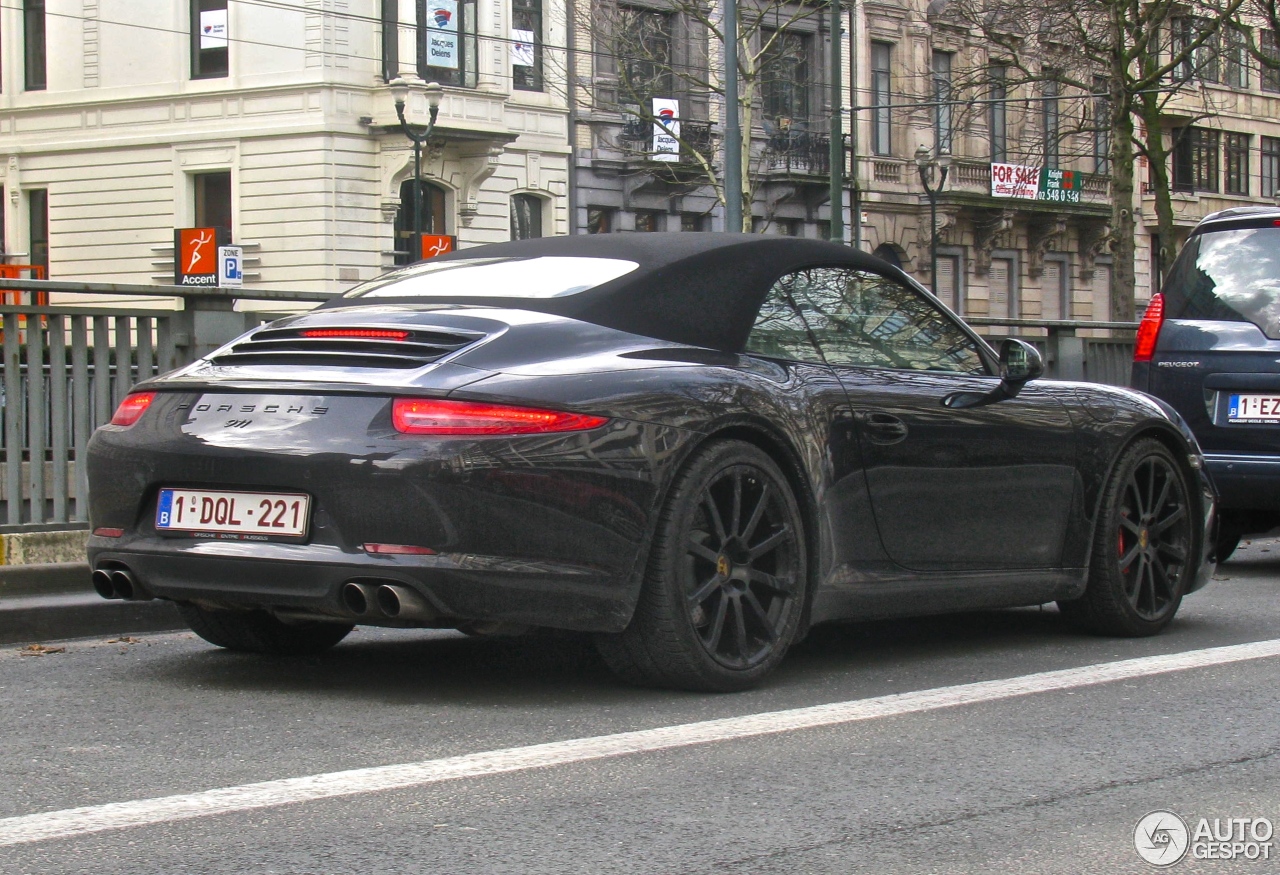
x=1132 y=60
x=675 y=49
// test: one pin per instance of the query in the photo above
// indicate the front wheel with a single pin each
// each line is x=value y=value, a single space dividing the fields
x=259 y=632
x=724 y=591
x=1144 y=547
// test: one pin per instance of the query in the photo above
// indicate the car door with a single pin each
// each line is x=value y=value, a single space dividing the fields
x=784 y=347
x=985 y=487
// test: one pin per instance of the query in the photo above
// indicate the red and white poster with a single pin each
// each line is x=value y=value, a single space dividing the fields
x=195 y=256
x=1015 y=180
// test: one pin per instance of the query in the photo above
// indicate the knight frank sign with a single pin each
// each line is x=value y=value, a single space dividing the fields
x=1036 y=183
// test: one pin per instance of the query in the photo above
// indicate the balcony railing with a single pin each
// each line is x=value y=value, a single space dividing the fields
x=798 y=153
x=696 y=139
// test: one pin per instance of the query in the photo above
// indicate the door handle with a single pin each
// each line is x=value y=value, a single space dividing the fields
x=882 y=428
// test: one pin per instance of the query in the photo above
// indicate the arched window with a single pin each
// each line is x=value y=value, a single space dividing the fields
x=526 y=216
x=886 y=252
x=431 y=211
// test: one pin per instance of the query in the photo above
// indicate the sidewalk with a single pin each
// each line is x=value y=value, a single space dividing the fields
x=47 y=594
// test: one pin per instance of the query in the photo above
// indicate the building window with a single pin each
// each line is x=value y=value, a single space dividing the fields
x=431 y=218
x=1235 y=154
x=38 y=223
x=1101 y=126
x=643 y=48
x=390 y=39
x=208 y=39
x=526 y=45
x=213 y=200
x=526 y=216
x=1050 y=118
x=1202 y=62
x=881 y=99
x=1270 y=167
x=784 y=76
x=599 y=220
x=647 y=220
x=690 y=222
x=1195 y=159
x=33 y=46
x=997 y=113
x=1270 y=74
x=942 y=123
x=447 y=42
x=1235 y=58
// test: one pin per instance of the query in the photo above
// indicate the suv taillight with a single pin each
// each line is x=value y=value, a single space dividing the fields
x=1149 y=329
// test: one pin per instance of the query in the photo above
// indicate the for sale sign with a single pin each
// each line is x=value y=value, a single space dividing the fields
x=1015 y=180
x=1060 y=186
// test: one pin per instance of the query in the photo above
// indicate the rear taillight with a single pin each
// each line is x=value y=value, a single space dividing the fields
x=1149 y=329
x=132 y=408
x=438 y=416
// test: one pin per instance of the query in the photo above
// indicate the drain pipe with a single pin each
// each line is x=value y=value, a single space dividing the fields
x=570 y=86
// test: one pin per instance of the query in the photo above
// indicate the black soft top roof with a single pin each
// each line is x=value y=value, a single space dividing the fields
x=696 y=288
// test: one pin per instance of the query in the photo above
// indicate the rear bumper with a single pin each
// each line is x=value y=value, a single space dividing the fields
x=1245 y=482
x=308 y=579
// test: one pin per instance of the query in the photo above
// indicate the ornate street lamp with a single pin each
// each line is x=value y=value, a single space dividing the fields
x=930 y=169
x=400 y=88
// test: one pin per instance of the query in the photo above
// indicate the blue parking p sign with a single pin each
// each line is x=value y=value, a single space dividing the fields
x=230 y=267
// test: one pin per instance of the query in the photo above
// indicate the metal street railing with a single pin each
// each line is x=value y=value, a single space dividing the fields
x=67 y=367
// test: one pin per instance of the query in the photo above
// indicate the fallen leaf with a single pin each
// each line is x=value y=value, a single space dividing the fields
x=40 y=650
x=124 y=639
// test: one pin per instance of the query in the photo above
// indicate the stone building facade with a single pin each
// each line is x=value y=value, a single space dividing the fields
x=123 y=119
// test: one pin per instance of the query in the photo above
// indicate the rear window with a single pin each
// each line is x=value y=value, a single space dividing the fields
x=545 y=277
x=1231 y=276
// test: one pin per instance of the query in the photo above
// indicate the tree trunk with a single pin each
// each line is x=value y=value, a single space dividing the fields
x=1124 y=226
x=1157 y=159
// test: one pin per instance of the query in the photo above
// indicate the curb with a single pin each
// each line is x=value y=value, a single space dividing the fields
x=51 y=602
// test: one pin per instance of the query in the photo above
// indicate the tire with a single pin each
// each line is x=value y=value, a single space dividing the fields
x=725 y=586
x=259 y=632
x=1226 y=543
x=1144 y=547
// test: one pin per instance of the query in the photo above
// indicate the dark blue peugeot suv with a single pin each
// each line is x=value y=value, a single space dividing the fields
x=1209 y=344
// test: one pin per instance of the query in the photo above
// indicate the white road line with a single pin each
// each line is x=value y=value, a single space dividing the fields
x=121 y=815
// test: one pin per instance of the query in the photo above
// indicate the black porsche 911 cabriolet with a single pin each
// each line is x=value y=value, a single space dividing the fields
x=692 y=445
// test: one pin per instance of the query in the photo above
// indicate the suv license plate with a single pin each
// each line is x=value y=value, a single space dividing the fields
x=1260 y=409
x=234 y=515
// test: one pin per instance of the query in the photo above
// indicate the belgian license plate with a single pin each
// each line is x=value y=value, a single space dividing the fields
x=1254 y=408
x=250 y=516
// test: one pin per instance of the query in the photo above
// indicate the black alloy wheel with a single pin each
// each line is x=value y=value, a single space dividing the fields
x=725 y=589
x=1144 y=550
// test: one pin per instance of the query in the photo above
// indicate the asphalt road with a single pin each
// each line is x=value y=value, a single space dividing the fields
x=1049 y=778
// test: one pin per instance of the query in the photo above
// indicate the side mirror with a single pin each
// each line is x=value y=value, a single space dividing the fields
x=1019 y=362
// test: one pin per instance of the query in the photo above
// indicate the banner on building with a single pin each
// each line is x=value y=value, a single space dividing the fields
x=522 y=54
x=1015 y=180
x=213 y=29
x=442 y=34
x=1036 y=183
x=666 y=129
x=195 y=256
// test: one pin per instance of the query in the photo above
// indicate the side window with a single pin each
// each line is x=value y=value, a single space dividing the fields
x=780 y=331
x=862 y=319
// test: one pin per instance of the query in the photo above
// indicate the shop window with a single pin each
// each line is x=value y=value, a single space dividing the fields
x=208 y=39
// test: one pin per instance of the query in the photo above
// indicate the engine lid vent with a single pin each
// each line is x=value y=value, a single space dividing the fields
x=356 y=346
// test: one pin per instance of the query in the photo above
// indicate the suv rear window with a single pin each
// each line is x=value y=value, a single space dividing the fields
x=1230 y=276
